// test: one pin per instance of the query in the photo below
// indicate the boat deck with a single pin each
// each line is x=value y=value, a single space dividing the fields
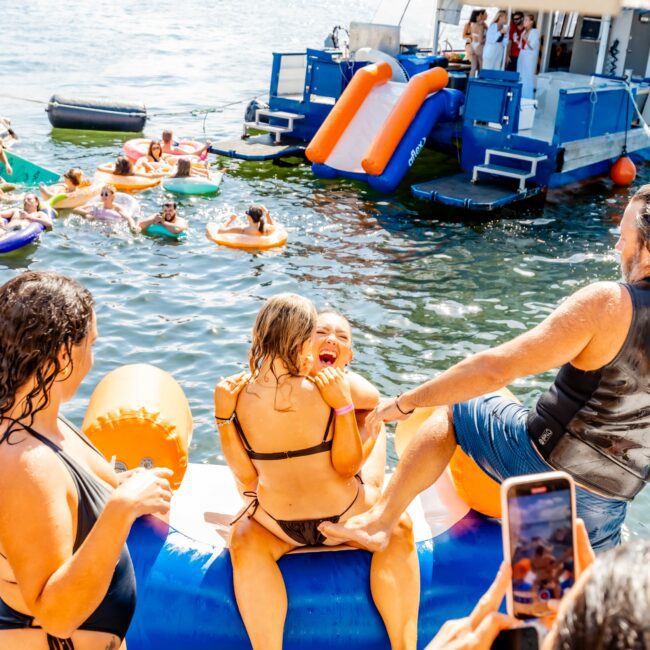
x=257 y=147
x=459 y=192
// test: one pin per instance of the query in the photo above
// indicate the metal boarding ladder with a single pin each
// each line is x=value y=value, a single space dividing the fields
x=509 y=172
x=272 y=128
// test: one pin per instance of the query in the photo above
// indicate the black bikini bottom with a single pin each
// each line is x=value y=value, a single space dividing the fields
x=303 y=531
x=10 y=619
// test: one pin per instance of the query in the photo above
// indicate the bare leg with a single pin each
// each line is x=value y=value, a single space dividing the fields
x=374 y=469
x=422 y=462
x=259 y=587
x=395 y=586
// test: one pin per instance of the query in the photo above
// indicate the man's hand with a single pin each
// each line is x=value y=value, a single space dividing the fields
x=386 y=411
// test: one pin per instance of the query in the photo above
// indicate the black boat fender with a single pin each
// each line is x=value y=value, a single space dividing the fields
x=95 y=114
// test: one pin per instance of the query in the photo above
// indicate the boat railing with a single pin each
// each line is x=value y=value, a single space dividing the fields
x=592 y=111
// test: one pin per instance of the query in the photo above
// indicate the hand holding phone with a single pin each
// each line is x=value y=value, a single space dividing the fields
x=538 y=541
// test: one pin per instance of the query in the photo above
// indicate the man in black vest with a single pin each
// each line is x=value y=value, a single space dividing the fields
x=594 y=421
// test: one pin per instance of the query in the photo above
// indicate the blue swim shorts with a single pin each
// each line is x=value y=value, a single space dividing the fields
x=492 y=430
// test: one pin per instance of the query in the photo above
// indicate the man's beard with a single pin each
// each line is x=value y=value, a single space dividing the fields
x=628 y=267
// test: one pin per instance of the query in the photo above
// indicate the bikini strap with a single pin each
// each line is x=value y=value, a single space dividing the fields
x=329 y=424
x=242 y=435
x=254 y=503
x=39 y=436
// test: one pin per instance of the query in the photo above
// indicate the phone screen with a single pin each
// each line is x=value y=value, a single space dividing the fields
x=541 y=545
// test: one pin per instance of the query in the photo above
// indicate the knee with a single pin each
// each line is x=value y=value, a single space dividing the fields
x=403 y=532
x=243 y=540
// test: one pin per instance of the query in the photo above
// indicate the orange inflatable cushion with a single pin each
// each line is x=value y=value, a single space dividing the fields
x=139 y=414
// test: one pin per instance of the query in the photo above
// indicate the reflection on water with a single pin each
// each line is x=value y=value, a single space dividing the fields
x=422 y=292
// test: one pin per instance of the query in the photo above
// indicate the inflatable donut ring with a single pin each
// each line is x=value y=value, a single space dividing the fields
x=247 y=242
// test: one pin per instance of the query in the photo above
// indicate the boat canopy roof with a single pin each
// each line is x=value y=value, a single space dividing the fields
x=415 y=17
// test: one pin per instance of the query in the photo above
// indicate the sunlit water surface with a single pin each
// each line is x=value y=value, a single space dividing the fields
x=422 y=292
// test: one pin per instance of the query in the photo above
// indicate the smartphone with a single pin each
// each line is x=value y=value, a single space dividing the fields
x=518 y=638
x=538 y=541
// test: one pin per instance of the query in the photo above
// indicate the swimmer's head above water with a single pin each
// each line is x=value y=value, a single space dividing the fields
x=169 y=211
x=257 y=216
x=331 y=341
x=31 y=202
x=73 y=178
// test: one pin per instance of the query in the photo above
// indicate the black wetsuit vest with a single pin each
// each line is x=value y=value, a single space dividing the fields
x=596 y=425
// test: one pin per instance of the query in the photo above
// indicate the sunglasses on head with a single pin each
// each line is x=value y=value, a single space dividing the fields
x=169 y=205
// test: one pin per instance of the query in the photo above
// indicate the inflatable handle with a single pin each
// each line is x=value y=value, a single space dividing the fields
x=57 y=198
x=389 y=136
x=478 y=490
x=345 y=109
x=139 y=414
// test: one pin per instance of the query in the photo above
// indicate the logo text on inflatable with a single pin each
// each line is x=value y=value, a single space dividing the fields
x=416 y=151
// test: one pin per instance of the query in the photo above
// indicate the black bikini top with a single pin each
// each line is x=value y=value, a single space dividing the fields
x=324 y=445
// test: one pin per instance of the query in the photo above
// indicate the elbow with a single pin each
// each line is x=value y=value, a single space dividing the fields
x=349 y=467
x=493 y=370
x=58 y=624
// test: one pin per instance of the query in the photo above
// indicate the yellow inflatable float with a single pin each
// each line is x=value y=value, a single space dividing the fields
x=140 y=415
x=478 y=490
x=130 y=183
x=248 y=242
x=80 y=196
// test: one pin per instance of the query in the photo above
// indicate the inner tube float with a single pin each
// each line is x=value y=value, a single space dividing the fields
x=18 y=239
x=132 y=183
x=67 y=200
x=183 y=566
x=247 y=242
x=193 y=184
x=159 y=229
x=161 y=169
x=137 y=147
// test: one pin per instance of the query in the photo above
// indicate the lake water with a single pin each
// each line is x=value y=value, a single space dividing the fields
x=421 y=292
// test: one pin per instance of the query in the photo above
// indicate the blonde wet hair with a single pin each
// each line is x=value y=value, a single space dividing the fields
x=283 y=325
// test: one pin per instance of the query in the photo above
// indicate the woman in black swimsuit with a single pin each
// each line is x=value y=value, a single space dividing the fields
x=294 y=448
x=66 y=578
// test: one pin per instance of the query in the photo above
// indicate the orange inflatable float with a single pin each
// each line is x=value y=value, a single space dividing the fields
x=129 y=183
x=247 y=242
x=478 y=490
x=139 y=414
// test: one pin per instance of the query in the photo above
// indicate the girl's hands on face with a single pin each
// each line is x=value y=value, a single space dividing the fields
x=334 y=386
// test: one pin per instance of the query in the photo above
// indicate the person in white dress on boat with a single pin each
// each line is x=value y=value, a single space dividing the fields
x=495 y=42
x=528 y=55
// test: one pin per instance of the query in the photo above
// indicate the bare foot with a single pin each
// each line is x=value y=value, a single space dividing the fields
x=366 y=530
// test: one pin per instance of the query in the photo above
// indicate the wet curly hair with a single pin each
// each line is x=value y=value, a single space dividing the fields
x=41 y=314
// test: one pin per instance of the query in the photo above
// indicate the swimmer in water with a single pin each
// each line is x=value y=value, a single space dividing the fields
x=19 y=218
x=260 y=222
x=168 y=219
x=106 y=209
x=170 y=146
x=71 y=181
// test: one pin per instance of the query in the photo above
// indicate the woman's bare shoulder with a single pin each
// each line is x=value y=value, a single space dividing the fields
x=27 y=462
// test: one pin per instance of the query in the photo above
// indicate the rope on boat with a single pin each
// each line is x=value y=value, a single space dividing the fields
x=195 y=112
